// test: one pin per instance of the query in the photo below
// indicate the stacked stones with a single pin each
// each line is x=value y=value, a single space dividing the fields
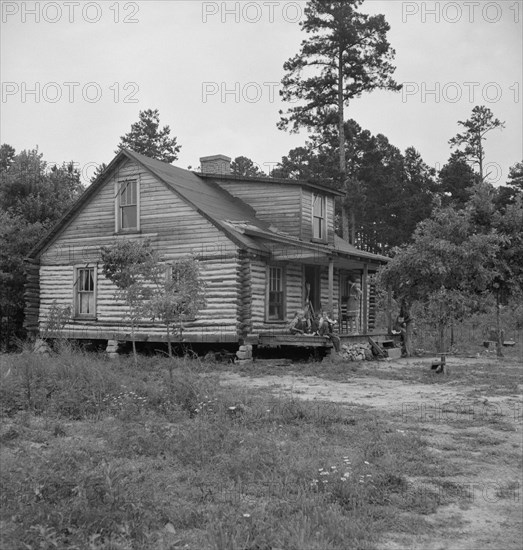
x=112 y=349
x=244 y=354
x=356 y=352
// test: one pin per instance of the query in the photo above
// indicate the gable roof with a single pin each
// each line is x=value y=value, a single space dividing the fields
x=229 y=214
x=217 y=205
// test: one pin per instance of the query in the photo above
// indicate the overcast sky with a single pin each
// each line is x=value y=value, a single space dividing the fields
x=76 y=74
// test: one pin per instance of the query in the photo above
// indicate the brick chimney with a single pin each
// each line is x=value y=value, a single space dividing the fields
x=215 y=164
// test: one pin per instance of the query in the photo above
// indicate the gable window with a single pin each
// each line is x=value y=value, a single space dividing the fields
x=85 y=292
x=276 y=294
x=319 y=228
x=127 y=205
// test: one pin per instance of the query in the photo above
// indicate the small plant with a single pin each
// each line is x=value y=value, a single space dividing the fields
x=132 y=267
x=125 y=404
x=179 y=298
x=56 y=320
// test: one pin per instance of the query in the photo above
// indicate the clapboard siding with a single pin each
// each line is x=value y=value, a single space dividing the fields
x=306 y=207
x=173 y=227
x=276 y=204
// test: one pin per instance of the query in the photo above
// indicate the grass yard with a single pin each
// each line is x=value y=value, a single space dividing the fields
x=99 y=454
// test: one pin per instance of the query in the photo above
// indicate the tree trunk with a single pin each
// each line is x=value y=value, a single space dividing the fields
x=441 y=337
x=348 y=236
x=169 y=347
x=499 y=342
x=352 y=214
x=407 y=337
x=344 y=222
x=389 y=311
x=480 y=159
x=341 y=122
x=135 y=355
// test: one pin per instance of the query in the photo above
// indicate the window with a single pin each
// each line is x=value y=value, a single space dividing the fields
x=276 y=296
x=85 y=292
x=128 y=205
x=318 y=217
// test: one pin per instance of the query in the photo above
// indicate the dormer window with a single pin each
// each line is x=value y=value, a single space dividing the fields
x=319 y=226
x=128 y=206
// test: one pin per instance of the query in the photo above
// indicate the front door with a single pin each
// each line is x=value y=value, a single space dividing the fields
x=312 y=290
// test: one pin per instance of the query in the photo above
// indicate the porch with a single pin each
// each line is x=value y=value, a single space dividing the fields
x=308 y=341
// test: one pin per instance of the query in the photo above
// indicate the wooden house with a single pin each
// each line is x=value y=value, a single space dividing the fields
x=266 y=246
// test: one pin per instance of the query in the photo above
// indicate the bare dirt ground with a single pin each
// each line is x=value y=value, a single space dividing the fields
x=473 y=426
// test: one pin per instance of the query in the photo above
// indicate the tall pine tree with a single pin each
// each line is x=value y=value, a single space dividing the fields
x=476 y=128
x=345 y=55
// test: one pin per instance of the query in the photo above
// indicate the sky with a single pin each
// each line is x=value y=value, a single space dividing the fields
x=75 y=75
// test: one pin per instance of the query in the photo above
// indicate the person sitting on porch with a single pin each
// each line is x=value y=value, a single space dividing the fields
x=326 y=324
x=299 y=324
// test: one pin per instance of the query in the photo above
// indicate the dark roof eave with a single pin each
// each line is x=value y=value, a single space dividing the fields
x=68 y=216
x=328 y=250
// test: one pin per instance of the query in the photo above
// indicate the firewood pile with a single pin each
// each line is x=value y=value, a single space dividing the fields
x=356 y=352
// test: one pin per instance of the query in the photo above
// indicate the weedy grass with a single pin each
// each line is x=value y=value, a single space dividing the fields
x=102 y=454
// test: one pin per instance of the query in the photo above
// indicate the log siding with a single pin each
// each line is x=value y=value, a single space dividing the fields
x=234 y=266
x=174 y=228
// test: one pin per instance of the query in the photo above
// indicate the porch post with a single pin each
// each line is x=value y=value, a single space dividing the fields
x=365 y=284
x=330 y=297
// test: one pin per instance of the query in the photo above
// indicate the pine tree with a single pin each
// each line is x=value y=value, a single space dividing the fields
x=147 y=138
x=476 y=128
x=345 y=55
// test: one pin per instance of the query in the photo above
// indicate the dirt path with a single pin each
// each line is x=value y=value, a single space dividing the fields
x=477 y=432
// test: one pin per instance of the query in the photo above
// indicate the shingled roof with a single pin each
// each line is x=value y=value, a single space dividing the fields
x=230 y=214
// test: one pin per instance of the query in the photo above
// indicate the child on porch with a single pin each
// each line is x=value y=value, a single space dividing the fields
x=299 y=324
x=325 y=329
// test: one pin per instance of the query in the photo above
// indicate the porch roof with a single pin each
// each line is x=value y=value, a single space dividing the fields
x=343 y=254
